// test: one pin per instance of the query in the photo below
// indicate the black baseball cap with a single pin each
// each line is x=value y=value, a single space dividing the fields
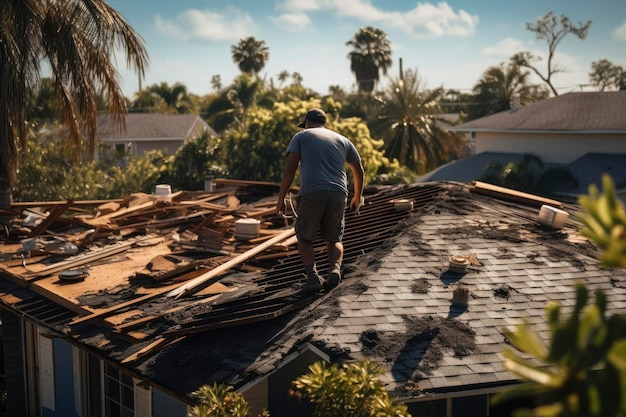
x=316 y=116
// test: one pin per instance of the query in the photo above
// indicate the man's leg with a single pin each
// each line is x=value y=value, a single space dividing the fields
x=314 y=282
x=335 y=253
x=335 y=258
x=307 y=254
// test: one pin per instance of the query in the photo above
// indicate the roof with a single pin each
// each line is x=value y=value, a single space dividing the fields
x=153 y=126
x=585 y=112
x=587 y=169
x=393 y=305
x=470 y=168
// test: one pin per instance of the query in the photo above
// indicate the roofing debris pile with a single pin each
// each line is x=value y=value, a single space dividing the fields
x=149 y=271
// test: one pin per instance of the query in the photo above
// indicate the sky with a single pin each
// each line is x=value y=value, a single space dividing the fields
x=450 y=43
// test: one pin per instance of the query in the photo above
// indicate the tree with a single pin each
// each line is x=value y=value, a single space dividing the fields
x=496 y=88
x=194 y=160
x=552 y=30
x=528 y=175
x=370 y=55
x=216 y=82
x=250 y=55
x=351 y=390
x=283 y=76
x=581 y=372
x=163 y=98
x=606 y=75
x=220 y=400
x=410 y=123
x=77 y=39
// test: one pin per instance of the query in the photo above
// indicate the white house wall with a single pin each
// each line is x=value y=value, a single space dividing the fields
x=551 y=148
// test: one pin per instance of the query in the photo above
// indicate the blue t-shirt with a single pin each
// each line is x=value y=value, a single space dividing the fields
x=323 y=154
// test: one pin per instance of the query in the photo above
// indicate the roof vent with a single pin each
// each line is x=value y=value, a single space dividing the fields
x=515 y=102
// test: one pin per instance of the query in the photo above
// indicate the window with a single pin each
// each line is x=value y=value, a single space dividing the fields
x=110 y=392
x=119 y=393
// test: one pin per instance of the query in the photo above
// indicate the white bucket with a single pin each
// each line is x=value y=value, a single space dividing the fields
x=552 y=217
x=163 y=191
x=246 y=229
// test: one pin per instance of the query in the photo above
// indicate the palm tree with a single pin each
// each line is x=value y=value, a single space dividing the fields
x=163 y=98
x=77 y=39
x=495 y=90
x=370 y=56
x=282 y=77
x=250 y=55
x=411 y=124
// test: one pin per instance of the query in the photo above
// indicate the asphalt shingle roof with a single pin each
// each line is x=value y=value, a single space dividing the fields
x=393 y=305
x=151 y=126
x=572 y=112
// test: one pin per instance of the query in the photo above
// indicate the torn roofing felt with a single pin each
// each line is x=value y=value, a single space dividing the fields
x=393 y=305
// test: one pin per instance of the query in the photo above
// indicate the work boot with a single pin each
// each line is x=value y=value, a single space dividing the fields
x=333 y=279
x=313 y=283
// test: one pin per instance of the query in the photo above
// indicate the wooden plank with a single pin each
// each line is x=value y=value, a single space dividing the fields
x=191 y=286
x=153 y=347
x=54 y=215
x=111 y=310
x=80 y=260
x=513 y=195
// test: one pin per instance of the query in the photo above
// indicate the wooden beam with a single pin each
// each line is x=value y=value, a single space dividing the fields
x=512 y=195
x=55 y=213
x=191 y=286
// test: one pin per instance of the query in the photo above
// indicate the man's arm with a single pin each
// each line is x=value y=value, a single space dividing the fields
x=293 y=159
x=358 y=174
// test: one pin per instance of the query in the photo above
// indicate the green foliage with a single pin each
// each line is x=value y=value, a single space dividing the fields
x=163 y=98
x=370 y=55
x=581 y=372
x=351 y=390
x=250 y=55
x=495 y=90
x=604 y=222
x=528 y=175
x=46 y=174
x=607 y=76
x=410 y=123
x=258 y=151
x=374 y=161
x=193 y=161
x=220 y=400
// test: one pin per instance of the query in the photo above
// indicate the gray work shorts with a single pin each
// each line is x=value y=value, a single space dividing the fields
x=321 y=214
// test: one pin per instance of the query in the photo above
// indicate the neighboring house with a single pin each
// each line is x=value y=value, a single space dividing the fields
x=117 y=342
x=150 y=131
x=567 y=130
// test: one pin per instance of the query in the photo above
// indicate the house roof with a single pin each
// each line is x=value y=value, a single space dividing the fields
x=152 y=126
x=587 y=170
x=584 y=112
x=393 y=305
x=470 y=168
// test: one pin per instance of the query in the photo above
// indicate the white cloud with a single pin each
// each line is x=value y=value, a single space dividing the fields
x=292 y=22
x=424 y=20
x=504 y=49
x=620 y=32
x=206 y=25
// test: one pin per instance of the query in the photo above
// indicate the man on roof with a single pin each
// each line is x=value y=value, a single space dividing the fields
x=322 y=154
